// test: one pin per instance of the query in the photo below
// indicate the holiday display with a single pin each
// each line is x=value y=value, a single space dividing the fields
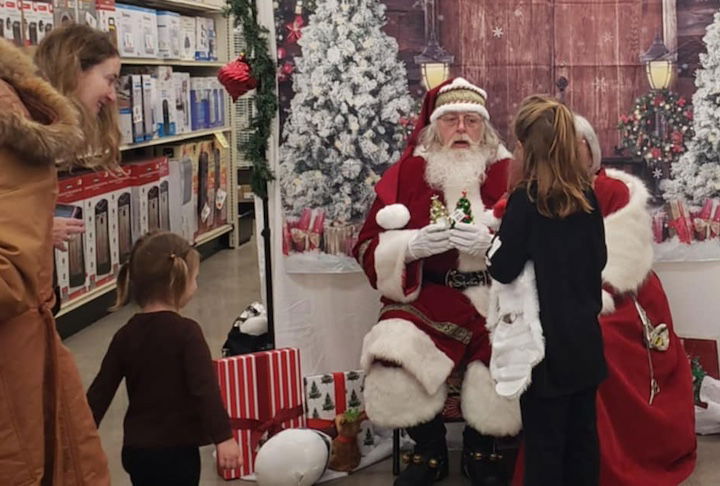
x=463 y=211
x=237 y=77
x=262 y=393
x=657 y=130
x=344 y=128
x=696 y=176
x=438 y=212
x=262 y=68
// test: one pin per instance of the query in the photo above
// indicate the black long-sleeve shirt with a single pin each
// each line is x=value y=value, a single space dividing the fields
x=174 y=399
x=568 y=255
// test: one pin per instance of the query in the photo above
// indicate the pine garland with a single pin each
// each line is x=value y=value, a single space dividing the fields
x=263 y=69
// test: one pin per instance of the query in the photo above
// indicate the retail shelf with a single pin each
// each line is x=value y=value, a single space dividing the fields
x=175 y=138
x=170 y=62
x=212 y=234
x=73 y=304
x=185 y=5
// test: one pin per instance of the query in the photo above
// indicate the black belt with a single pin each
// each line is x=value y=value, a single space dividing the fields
x=459 y=280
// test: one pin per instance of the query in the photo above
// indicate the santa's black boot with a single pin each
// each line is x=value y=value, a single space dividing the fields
x=480 y=459
x=429 y=461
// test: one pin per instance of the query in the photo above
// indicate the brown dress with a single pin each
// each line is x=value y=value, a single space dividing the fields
x=47 y=433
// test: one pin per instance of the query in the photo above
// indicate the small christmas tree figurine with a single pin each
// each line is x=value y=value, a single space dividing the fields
x=463 y=208
x=354 y=401
x=438 y=211
x=328 y=405
x=369 y=440
x=314 y=391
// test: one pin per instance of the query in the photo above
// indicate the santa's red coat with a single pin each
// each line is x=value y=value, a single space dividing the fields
x=641 y=444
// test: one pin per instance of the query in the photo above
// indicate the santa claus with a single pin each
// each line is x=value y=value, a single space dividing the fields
x=434 y=285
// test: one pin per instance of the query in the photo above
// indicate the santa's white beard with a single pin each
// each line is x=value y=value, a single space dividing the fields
x=455 y=168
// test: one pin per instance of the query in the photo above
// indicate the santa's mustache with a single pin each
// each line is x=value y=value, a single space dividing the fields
x=463 y=138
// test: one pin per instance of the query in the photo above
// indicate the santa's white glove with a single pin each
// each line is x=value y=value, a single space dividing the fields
x=431 y=240
x=470 y=238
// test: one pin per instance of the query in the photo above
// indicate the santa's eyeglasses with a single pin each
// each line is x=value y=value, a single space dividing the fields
x=453 y=120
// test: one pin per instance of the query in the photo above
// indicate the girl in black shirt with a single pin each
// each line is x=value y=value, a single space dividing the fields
x=552 y=218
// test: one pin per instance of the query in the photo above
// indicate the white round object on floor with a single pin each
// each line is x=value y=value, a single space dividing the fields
x=294 y=457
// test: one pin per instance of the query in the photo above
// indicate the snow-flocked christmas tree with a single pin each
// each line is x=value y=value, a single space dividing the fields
x=344 y=126
x=696 y=176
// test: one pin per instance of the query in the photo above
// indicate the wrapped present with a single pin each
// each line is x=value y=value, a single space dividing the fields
x=702 y=221
x=679 y=222
x=263 y=395
x=715 y=223
x=340 y=238
x=287 y=239
x=306 y=234
x=659 y=226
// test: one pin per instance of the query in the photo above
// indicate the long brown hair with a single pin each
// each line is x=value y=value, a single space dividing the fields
x=159 y=269
x=61 y=57
x=546 y=130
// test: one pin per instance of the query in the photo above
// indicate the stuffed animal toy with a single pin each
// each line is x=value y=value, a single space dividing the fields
x=345 y=454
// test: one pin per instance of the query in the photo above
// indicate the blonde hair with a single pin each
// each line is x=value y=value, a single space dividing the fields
x=587 y=132
x=159 y=269
x=546 y=130
x=61 y=57
x=430 y=137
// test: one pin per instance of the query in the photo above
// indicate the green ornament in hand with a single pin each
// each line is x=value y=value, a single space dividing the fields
x=463 y=205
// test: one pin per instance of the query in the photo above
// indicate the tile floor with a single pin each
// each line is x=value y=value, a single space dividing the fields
x=228 y=282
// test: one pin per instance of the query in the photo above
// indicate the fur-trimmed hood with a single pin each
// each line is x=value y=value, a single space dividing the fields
x=37 y=123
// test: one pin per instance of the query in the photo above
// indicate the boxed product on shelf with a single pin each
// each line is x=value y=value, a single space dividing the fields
x=45 y=19
x=145 y=203
x=12 y=17
x=206 y=185
x=125 y=109
x=125 y=17
x=212 y=38
x=121 y=200
x=65 y=11
x=182 y=198
x=221 y=159
x=198 y=104
x=138 y=114
x=87 y=13
x=164 y=196
x=29 y=23
x=168 y=26
x=106 y=16
x=149 y=32
x=72 y=264
x=102 y=233
x=165 y=111
x=183 y=122
x=187 y=38
x=218 y=97
x=202 y=40
x=149 y=90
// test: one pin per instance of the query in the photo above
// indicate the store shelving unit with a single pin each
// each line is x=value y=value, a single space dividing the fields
x=225 y=49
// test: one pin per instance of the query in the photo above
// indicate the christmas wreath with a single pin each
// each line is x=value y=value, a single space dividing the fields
x=658 y=127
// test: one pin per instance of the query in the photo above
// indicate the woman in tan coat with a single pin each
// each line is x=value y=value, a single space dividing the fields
x=47 y=433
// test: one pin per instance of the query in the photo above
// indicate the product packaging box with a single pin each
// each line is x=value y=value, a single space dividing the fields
x=125 y=18
x=148 y=96
x=187 y=38
x=202 y=40
x=73 y=264
x=206 y=186
x=104 y=264
x=199 y=104
x=145 y=203
x=87 y=13
x=221 y=161
x=121 y=200
x=181 y=82
x=169 y=33
x=182 y=199
x=138 y=113
x=149 y=32
x=45 y=18
x=165 y=110
x=29 y=23
x=106 y=16
x=65 y=11
x=125 y=109
x=12 y=18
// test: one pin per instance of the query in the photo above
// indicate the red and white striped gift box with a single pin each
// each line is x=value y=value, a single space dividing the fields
x=262 y=393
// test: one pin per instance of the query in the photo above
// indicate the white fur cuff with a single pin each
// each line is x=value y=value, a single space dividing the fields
x=399 y=341
x=485 y=410
x=394 y=398
x=390 y=266
x=393 y=216
x=608 y=303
